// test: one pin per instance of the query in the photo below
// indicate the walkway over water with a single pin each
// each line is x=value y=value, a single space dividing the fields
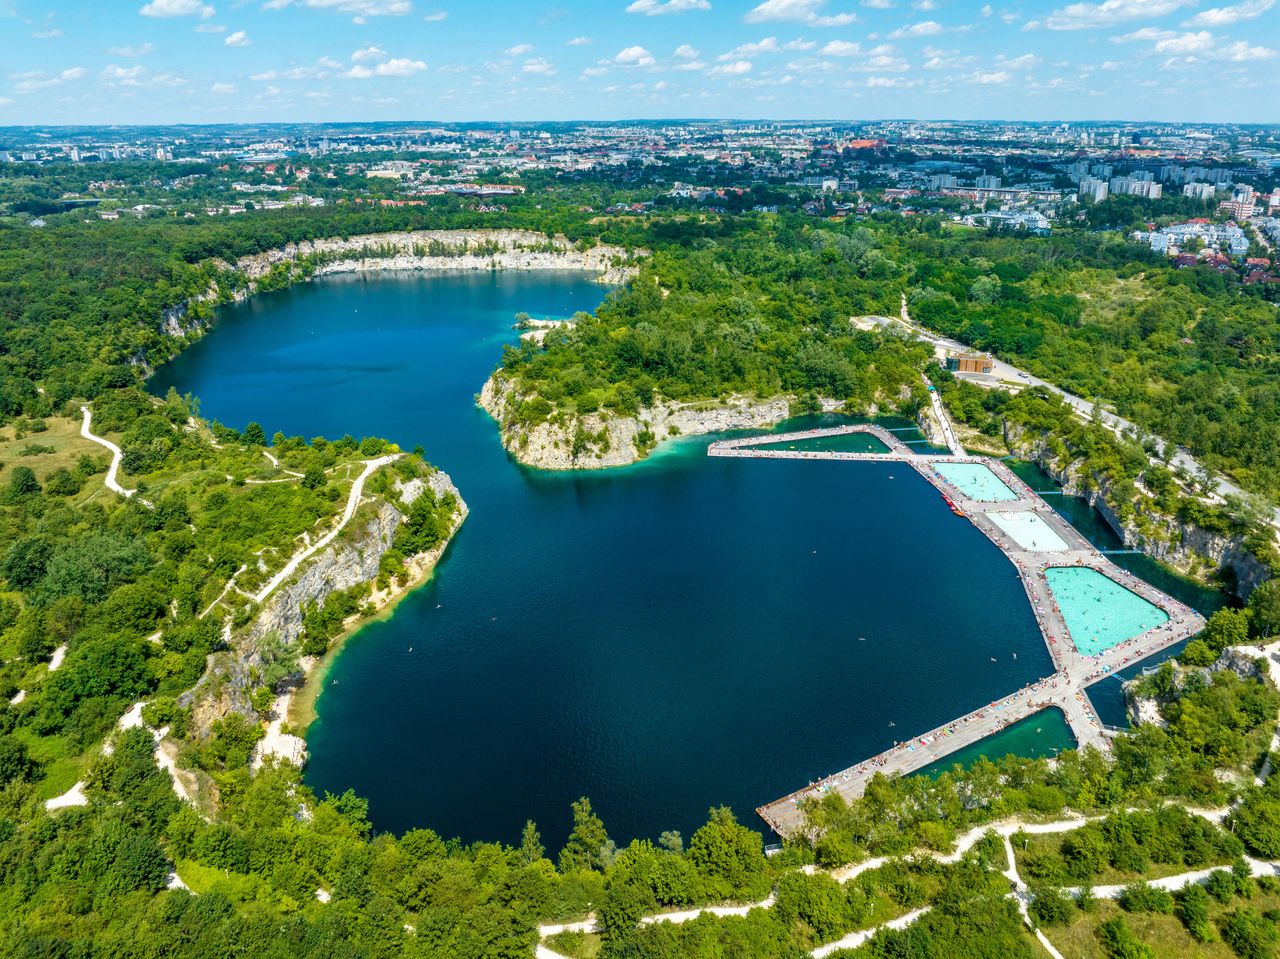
x=1064 y=690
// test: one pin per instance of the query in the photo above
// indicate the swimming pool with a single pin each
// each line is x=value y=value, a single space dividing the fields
x=1100 y=613
x=1029 y=531
x=975 y=481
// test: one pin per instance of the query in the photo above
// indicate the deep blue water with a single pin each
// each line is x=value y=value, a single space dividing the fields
x=679 y=634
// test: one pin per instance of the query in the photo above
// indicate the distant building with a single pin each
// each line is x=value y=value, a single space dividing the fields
x=942 y=181
x=1094 y=189
x=1199 y=191
x=969 y=363
x=987 y=183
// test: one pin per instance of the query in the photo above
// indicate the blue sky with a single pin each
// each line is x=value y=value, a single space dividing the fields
x=112 y=61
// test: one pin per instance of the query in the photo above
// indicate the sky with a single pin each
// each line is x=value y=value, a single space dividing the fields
x=201 y=61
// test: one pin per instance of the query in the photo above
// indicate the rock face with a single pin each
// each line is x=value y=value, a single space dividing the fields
x=1246 y=662
x=475 y=250
x=1187 y=547
x=600 y=440
x=468 y=250
x=353 y=558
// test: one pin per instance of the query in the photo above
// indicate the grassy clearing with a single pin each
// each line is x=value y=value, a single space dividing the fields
x=577 y=945
x=58 y=445
x=1164 y=934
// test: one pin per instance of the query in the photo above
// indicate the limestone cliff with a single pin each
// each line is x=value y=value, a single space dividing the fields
x=600 y=440
x=1186 y=547
x=434 y=250
x=450 y=250
x=353 y=558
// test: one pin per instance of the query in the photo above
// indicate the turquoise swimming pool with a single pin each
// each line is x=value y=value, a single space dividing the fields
x=975 y=481
x=1100 y=613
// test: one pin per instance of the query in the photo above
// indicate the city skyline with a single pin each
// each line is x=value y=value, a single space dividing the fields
x=169 y=61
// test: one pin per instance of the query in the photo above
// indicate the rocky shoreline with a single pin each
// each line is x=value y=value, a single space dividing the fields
x=351 y=560
x=603 y=440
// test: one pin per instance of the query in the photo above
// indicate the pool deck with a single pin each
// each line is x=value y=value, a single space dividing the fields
x=1064 y=689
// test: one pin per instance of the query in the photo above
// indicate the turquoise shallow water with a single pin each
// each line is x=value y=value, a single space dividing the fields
x=844 y=443
x=1041 y=734
x=976 y=482
x=1099 y=611
x=685 y=632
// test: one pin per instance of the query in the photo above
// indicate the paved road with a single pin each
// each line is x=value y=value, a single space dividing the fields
x=1005 y=372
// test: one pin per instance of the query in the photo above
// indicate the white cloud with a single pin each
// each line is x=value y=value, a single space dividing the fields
x=237 y=39
x=6 y=101
x=925 y=5
x=370 y=52
x=595 y=71
x=1024 y=62
x=1224 y=16
x=841 y=48
x=687 y=52
x=520 y=49
x=177 y=8
x=114 y=72
x=735 y=69
x=397 y=67
x=138 y=51
x=1239 y=52
x=689 y=66
x=210 y=28
x=878 y=4
x=35 y=80
x=223 y=88
x=1081 y=16
x=634 y=57
x=925 y=28
x=798 y=11
x=435 y=16
x=992 y=77
x=539 y=67
x=360 y=8
x=799 y=45
x=767 y=45
x=987 y=10
x=886 y=82
x=1185 y=43
x=1146 y=33
x=579 y=41
x=51 y=34
x=656 y=8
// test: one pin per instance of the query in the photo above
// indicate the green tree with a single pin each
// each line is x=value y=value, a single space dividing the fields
x=588 y=845
x=1264 y=609
x=313 y=477
x=1120 y=942
x=22 y=483
x=729 y=856
x=1193 y=910
x=531 y=848
x=254 y=435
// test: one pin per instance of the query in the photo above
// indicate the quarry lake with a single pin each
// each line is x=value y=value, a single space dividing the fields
x=662 y=638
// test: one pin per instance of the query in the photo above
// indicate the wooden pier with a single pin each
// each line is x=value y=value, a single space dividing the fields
x=1063 y=690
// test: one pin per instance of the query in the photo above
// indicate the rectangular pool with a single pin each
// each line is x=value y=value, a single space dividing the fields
x=1030 y=531
x=1100 y=613
x=976 y=481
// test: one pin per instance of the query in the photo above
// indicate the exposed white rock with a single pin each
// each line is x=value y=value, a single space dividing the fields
x=613 y=440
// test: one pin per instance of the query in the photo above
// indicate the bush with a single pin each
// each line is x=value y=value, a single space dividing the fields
x=1052 y=907
x=1140 y=897
x=1193 y=910
x=1120 y=942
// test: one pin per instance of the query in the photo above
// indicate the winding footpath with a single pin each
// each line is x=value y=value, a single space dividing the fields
x=1020 y=892
x=353 y=502
x=113 y=471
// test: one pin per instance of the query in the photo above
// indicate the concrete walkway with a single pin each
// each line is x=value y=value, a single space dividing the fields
x=1074 y=671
